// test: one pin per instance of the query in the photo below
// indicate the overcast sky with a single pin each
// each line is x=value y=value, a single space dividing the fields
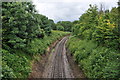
x=68 y=10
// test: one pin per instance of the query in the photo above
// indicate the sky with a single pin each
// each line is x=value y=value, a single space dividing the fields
x=68 y=10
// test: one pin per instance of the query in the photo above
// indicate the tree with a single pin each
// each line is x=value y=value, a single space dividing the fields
x=21 y=24
x=66 y=24
x=61 y=28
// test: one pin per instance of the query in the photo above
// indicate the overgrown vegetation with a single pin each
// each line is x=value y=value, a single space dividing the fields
x=17 y=64
x=25 y=34
x=21 y=24
x=95 y=45
x=99 y=26
x=96 y=61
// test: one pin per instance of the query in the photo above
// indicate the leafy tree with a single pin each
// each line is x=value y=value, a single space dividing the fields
x=14 y=31
x=53 y=26
x=87 y=23
x=61 y=28
x=66 y=24
x=21 y=24
x=101 y=27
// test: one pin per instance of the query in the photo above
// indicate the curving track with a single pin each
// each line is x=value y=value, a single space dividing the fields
x=57 y=65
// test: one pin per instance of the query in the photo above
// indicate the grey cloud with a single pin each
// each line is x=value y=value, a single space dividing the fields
x=66 y=11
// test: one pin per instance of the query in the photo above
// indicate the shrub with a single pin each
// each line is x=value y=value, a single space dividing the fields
x=96 y=61
x=14 y=66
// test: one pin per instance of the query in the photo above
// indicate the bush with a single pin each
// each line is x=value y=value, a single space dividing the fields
x=39 y=46
x=14 y=66
x=96 y=61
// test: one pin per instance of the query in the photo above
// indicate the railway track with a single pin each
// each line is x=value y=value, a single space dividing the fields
x=57 y=65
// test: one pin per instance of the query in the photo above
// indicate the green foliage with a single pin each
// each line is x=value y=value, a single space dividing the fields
x=25 y=34
x=100 y=27
x=17 y=63
x=61 y=28
x=21 y=24
x=96 y=48
x=96 y=61
x=67 y=25
x=103 y=63
x=38 y=46
x=45 y=23
x=14 y=66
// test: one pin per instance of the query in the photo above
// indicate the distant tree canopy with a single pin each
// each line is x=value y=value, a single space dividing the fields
x=67 y=25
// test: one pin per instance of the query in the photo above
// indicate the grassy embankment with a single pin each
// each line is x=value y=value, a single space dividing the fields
x=96 y=61
x=17 y=63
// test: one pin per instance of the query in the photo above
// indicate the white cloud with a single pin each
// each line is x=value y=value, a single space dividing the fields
x=76 y=0
x=68 y=10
